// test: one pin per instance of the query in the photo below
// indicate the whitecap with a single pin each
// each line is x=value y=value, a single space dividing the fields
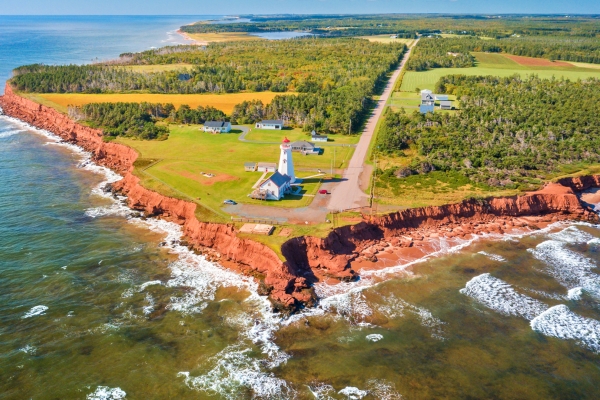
x=9 y=133
x=144 y=285
x=498 y=295
x=353 y=393
x=493 y=257
x=571 y=235
x=568 y=267
x=35 y=311
x=106 y=393
x=562 y=323
x=29 y=349
x=575 y=293
x=374 y=337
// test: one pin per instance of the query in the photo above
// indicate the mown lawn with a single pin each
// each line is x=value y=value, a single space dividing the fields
x=266 y=135
x=175 y=166
x=223 y=102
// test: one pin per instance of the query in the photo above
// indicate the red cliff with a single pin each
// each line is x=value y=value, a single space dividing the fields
x=311 y=259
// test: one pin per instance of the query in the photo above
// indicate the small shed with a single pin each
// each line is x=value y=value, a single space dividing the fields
x=266 y=167
x=446 y=105
x=274 y=124
x=250 y=166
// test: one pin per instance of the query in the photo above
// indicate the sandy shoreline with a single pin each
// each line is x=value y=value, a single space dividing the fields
x=186 y=36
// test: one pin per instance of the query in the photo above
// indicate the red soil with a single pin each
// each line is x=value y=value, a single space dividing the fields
x=537 y=62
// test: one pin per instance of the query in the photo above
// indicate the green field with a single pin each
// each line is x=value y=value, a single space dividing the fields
x=174 y=167
x=266 y=135
x=410 y=101
x=497 y=65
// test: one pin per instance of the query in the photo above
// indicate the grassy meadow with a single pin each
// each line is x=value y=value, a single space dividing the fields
x=266 y=135
x=175 y=167
x=205 y=38
x=386 y=39
x=223 y=102
x=497 y=65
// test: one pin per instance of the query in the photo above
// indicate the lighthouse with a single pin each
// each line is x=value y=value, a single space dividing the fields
x=286 y=164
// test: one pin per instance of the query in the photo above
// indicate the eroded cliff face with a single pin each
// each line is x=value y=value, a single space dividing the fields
x=287 y=286
x=311 y=259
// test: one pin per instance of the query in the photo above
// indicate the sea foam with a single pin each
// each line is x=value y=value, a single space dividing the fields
x=498 y=295
x=106 y=393
x=562 y=323
x=35 y=311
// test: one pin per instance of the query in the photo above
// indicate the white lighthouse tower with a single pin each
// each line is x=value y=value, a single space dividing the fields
x=286 y=164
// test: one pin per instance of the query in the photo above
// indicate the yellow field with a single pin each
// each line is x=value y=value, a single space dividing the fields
x=156 y=68
x=223 y=102
x=205 y=38
x=386 y=39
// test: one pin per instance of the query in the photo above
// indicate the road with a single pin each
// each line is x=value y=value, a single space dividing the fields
x=348 y=193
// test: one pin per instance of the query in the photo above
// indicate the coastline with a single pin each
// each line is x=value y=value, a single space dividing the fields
x=369 y=246
x=187 y=37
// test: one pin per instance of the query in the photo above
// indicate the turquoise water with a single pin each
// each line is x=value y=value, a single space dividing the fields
x=97 y=303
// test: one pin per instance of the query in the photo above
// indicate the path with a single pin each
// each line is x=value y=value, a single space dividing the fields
x=348 y=194
x=245 y=131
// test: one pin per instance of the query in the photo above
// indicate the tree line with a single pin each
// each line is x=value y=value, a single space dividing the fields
x=333 y=79
x=509 y=131
x=438 y=52
x=139 y=120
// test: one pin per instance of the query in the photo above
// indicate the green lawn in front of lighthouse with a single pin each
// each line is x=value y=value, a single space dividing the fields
x=294 y=134
x=182 y=165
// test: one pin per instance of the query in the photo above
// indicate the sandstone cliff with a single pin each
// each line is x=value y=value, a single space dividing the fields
x=311 y=259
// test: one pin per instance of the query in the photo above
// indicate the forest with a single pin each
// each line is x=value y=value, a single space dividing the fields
x=438 y=52
x=408 y=25
x=509 y=132
x=139 y=119
x=332 y=79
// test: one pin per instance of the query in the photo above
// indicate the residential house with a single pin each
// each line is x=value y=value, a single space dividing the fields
x=270 y=124
x=250 y=166
x=217 y=126
x=317 y=138
x=427 y=101
x=276 y=186
x=305 y=147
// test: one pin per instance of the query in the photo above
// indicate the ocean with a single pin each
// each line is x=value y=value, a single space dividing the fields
x=97 y=303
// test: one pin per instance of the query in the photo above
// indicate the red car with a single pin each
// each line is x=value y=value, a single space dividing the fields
x=323 y=191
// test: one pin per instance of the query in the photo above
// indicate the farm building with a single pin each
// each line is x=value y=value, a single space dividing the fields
x=266 y=167
x=441 y=97
x=273 y=188
x=217 y=126
x=317 y=138
x=250 y=166
x=270 y=124
x=305 y=147
x=427 y=101
x=446 y=105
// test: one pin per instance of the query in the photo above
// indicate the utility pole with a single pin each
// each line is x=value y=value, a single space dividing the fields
x=334 y=156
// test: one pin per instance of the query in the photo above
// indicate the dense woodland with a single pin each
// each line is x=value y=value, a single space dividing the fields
x=408 y=25
x=139 y=119
x=438 y=52
x=509 y=131
x=333 y=78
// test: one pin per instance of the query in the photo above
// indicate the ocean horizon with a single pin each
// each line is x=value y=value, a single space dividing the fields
x=99 y=302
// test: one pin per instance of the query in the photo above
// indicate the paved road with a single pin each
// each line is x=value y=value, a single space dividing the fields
x=348 y=194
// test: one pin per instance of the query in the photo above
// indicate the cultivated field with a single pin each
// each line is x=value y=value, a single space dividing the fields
x=223 y=102
x=205 y=38
x=156 y=68
x=498 y=65
x=174 y=167
x=386 y=39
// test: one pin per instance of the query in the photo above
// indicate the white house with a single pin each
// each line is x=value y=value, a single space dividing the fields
x=270 y=124
x=427 y=101
x=317 y=138
x=276 y=186
x=217 y=127
x=266 y=167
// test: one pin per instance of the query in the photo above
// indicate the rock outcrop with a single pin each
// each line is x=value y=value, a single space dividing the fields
x=311 y=259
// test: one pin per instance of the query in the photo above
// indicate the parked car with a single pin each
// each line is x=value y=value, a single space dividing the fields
x=323 y=191
x=230 y=202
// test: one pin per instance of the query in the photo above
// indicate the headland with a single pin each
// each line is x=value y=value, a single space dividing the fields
x=371 y=243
